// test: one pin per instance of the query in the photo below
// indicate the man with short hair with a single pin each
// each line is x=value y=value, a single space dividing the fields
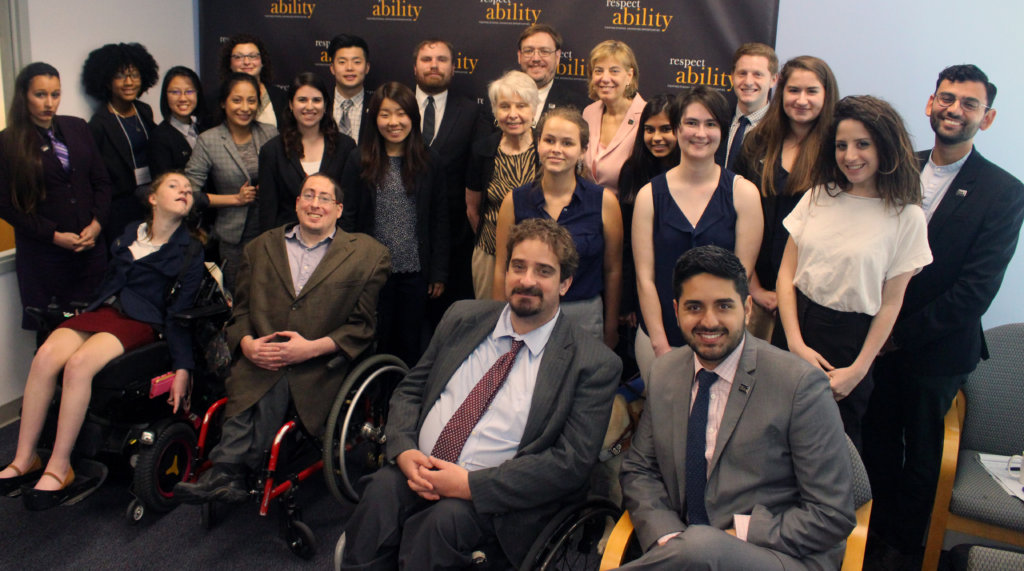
x=740 y=460
x=539 y=53
x=755 y=69
x=350 y=62
x=497 y=426
x=306 y=294
x=974 y=210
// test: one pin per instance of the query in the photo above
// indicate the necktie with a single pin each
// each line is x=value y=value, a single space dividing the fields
x=344 y=124
x=737 y=144
x=61 y=149
x=454 y=434
x=428 y=121
x=696 y=446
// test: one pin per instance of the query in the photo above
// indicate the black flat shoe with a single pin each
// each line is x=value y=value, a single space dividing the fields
x=12 y=486
x=39 y=500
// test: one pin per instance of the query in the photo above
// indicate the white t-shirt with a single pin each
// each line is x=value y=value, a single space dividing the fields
x=847 y=246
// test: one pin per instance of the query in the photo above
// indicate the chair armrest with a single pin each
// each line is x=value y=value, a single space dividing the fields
x=615 y=549
x=947 y=475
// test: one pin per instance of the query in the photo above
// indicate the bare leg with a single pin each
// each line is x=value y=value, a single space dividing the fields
x=42 y=380
x=83 y=365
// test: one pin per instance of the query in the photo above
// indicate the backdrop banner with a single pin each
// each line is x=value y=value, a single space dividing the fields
x=678 y=43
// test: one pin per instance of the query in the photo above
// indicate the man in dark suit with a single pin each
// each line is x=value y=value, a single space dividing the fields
x=755 y=69
x=740 y=460
x=540 y=50
x=306 y=294
x=350 y=62
x=526 y=445
x=450 y=124
x=974 y=211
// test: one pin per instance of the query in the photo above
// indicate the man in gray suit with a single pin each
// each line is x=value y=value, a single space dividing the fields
x=739 y=461
x=522 y=453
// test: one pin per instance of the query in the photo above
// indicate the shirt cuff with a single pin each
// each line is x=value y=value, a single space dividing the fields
x=664 y=539
x=741 y=522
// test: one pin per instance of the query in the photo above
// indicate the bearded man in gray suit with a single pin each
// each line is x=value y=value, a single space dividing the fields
x=740 y=461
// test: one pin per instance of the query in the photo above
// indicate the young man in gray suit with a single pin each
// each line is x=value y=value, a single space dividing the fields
x=512 y=460
x=740 y=461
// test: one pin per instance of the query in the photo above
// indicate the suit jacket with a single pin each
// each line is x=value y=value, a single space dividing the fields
x=367 y=94
x=339 y=301
x=216 y=157
x=359 y=214
x=567 y=93
x=973 y=234
x=278 y=101
x=114 y=147
x=781 y=456
x=606 y=163
x=281 y=179
x=168 y=149
x=458 y=129
x=567 y=420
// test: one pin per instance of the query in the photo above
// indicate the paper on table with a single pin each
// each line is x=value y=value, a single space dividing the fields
x=997 y=466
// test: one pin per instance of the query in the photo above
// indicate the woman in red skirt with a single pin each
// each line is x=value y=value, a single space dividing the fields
x=134 y=298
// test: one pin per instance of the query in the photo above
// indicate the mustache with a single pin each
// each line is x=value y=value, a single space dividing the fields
x=700 y=330
x=535 y=291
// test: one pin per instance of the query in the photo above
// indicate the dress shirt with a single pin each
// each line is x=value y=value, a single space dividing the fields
x=542 y=102
x=303 y=259
x=355 y=112
x=754 y=119
x=188 y=130
x=496 y=437
x=935 y=181
x=440 y=99
x=726 y=371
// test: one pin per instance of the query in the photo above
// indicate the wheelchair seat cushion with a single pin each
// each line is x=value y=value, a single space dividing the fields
x=106 y=319
x=134 y=368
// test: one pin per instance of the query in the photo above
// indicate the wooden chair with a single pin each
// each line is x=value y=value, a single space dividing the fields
x=986 y=417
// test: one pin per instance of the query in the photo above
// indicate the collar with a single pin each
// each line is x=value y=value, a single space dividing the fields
x=543 y=91
x=754 y=117
x=726 y=370
x=356 y=100
x=294 y=233
x=951 y=167
x=439 y=98
x=536 y=194
x=534 y=340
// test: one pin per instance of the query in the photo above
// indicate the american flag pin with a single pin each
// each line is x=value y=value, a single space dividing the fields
x=961 y=192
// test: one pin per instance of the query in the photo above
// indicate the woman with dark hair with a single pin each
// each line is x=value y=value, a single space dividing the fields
x=778 y=156
x=394 y=191
x=246 y=53
x=695 y=203
x=184 y=110
x=228 y=154
x=55 y=192
x=855 y=240
x=116 y=75
x=590 y=214
x=309 y=143
x=133 y=300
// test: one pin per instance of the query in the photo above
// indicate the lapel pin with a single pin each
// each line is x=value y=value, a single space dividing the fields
x=744 y=389
x=960 y=192
x=630 y=121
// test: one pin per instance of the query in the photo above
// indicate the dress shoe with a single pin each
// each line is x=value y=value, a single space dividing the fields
x=39 y=500
x=221 y=483
x=8 y=486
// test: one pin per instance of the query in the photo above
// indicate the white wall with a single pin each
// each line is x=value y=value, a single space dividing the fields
x=895 y=50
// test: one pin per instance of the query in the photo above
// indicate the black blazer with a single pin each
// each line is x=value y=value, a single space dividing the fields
x=278 y=100
x=367 y=94
x=114 y=147
x=565 y=92
x=973 y=234
x=281 y=179
x=456 y=132
x=360 y=208
x=168 y=149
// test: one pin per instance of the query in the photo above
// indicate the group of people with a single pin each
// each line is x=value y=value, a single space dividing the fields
x=344 y=215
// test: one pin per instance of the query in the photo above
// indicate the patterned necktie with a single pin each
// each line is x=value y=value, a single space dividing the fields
x=737 y=143
x=428 y=121
x=344 y=124
x=696 y=446
x=454 y=434
x=60 y=148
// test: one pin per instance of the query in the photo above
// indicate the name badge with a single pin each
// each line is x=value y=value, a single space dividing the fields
x=142 y=176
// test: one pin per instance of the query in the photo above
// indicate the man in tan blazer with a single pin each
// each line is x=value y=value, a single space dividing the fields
x=307 y=293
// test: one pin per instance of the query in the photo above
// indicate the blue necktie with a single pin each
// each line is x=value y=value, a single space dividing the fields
x=737 y=144
x=60 y=149
x=696 y=446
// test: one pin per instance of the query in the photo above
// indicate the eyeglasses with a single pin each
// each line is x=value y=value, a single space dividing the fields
x=969 y=104
x=529 y=51
x=322 y=199
x=134 y=75
x=249 y=57
x=176 y=93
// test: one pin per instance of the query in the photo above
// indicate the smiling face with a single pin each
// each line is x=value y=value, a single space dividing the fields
x=559 y=146
x=246 y=58
x=514 y=116
x=307 y=106
x=394 y=124
x=857 y=155
x=752 y=80
x=317 y=208
x=43 y=98
x=539 y=58
x=433 y=68
x=173 y=196
x=610 y=78
x=349 y=68
x=659 y=138
x=124 y=87
x=712 y=317
x=532 y=284
x=241 y=104
x=182 y=98
x=803 y=97
x=699 y=133
x=953 y=124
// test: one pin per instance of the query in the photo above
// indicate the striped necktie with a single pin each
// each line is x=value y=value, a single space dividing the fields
x=60 y=148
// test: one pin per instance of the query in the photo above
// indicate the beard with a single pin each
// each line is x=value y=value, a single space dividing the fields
x=966 y=132
x=522 y=307
x=717 y=353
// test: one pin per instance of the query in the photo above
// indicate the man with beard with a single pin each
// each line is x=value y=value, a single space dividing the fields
x=740 y=460
x=486 y=436
x=540 y=51
x=974 y=210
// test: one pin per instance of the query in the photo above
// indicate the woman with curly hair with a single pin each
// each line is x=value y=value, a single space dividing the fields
x=246 y=53
x=55 y=192
x=309 y=143
x=116 y=75
x=184 y=111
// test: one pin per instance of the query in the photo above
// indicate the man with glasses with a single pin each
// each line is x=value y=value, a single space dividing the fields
x=540 y=50
x=974 y=211
x=306 y=294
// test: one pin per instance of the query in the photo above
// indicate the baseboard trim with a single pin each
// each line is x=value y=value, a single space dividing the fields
x=10 y=412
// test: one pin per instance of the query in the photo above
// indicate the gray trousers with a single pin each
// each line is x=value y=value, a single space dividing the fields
x=245 y=436
x=706 y=547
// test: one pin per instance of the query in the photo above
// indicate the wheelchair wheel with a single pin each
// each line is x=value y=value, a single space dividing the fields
x=167 y=461
x=301 y=540
x=354 y=439
x=570 y=540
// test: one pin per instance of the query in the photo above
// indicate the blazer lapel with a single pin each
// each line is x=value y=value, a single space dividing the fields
x=232 y=150
x=557 y=354
x=623 y=132
x=278 y=257
x=680 y=397
x=119 y=139
x=339 y=249
x=958 y=192
x=742 y=386
x=450 y=117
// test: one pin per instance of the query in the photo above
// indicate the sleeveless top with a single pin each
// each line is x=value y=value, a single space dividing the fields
x=582 y=218
x=673 y=235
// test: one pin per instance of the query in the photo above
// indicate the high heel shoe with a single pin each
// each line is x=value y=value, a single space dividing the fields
x=38 y=500
x=10 y=485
